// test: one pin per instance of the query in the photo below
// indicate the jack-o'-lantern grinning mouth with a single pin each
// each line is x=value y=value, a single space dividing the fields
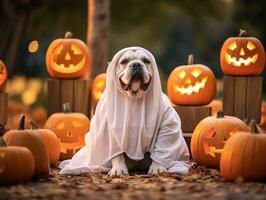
x=192 y=88
x=241 y=61
x=74 y=146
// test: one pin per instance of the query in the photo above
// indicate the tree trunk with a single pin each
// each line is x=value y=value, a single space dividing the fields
x=98 y=26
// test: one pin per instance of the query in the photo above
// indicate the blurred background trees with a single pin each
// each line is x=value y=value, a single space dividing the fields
x=169 y=29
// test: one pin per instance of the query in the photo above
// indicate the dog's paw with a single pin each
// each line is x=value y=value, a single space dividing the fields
x=119 y=167
x=118 y=171
x=156 y=168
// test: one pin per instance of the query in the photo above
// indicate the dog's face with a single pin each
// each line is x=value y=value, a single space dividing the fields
x=134 y=72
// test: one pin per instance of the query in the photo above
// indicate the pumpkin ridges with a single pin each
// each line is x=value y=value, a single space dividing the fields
x=200 y=138
x=244 y=150
x=33 y=142
x=51 y=142
x=252 y=69
x=194 y=98
x=69 y=144
x=19 y=162
x=50 y=54
x=3 y=70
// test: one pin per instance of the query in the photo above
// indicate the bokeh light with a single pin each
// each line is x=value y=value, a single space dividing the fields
x=33 y=46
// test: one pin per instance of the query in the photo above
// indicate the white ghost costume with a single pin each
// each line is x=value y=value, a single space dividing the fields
x=132 y=126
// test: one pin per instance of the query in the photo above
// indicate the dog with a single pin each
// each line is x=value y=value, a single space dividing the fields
x=134 y=125
x=134 y=73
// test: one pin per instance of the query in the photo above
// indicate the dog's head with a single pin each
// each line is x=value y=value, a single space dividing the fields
x=134 y=72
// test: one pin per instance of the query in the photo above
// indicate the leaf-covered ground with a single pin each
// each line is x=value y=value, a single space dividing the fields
x=201 y=183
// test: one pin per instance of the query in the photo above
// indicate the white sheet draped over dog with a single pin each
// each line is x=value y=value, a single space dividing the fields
x=132 y=126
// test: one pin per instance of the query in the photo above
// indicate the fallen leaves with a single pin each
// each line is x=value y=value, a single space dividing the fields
x=200 y=183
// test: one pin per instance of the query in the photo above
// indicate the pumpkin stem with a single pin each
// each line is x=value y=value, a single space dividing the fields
x=21 y=122
x=242 y=32
x=33 y=125
x=66 y=108
x=220 y=114
x=2 y=142
x=253 y=126
x=68 y=34
x=190 y=59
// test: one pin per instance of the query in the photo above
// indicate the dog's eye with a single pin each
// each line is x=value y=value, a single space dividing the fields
x=123 y=62
x=146 y=61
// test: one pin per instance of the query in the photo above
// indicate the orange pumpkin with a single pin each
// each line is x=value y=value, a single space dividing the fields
x=70 y=128
x=98 y=86
x=210 y=135
x=3 y=75
x=51 y=142
x=67 y=58
x=244 y=156
x=16 y=164
x=28 y=138
x=192 y=84
x=242 y=56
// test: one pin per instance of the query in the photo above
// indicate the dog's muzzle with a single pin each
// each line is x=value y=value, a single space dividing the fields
x=137 y=78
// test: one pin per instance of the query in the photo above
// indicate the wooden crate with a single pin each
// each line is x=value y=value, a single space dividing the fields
x=190 y=116
x=74 y=91
x=242 y=96
x=3 y=111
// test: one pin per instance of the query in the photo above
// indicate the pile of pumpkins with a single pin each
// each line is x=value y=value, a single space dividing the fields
x=27 y=153
x=226 y=142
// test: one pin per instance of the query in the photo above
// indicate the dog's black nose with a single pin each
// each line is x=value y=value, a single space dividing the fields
x=136 y=66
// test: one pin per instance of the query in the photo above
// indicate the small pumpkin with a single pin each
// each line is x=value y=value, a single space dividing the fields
x=16 y=164
x=244 y=156
x=3 y=75
x=70 y=128
x=28 y=138
x=242 y=56
x=210 y=135
x=51 y=142
x=192 y=84
x=98 y=86
x=67 y=58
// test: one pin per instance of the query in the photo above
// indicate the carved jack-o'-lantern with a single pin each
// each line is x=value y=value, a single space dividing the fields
x=3 y=75
x=70 y=128
x=98 y=86
x=210 y=136
x=191 y=84
x=242 y=56
x=67 y=58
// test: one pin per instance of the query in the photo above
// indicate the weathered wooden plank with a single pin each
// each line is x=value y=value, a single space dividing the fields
x=67 y=92
x=3 y=108
x=53 y=96
x=228 y=95
x=240 y=98
x=82 y=96
x=190 y=116
x=254 y=98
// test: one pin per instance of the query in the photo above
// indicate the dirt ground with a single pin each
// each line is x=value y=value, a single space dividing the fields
x=201 y=183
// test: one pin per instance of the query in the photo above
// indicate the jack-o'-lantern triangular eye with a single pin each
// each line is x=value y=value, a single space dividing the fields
x=76 y=49
x=232 y=46
x=77 y=123
x=196 y=72
x=250 y=46
x=60 y=125
x=181 y=74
